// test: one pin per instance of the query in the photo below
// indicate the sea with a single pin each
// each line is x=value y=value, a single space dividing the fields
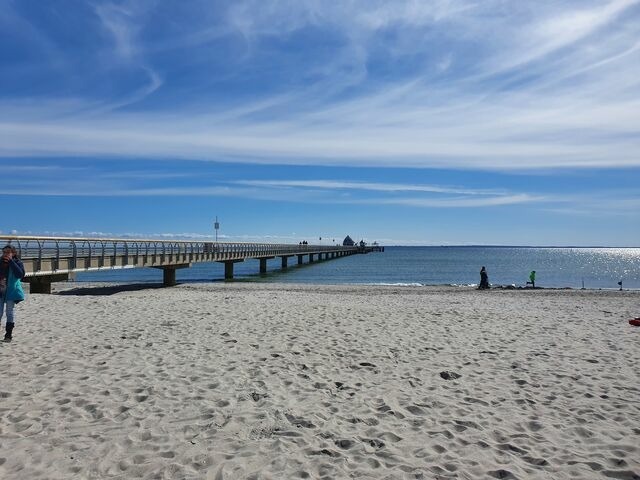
x=591 y=268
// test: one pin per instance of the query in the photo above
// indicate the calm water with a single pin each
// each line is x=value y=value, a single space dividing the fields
x=555 y=267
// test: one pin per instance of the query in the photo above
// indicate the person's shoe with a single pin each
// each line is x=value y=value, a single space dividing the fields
x=7 y=335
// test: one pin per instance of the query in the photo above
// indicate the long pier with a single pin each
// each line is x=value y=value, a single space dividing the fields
x=54 y=259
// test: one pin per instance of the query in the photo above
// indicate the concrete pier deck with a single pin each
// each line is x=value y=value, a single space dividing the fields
x=53 y=259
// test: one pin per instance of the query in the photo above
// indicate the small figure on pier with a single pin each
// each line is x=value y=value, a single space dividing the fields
x=484 y=279
x=532 y=279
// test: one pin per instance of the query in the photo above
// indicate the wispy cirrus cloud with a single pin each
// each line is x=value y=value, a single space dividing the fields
x=620 y=204
x=448 y=84
x=369 y=186
x=53 y=180
x=465 y=202
x=560 y=26
x=118 y=21
x=569 y=27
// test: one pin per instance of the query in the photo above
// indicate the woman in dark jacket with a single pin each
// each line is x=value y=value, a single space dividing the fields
x=11 y=273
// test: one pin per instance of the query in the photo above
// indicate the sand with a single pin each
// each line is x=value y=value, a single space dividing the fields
x=268 y=381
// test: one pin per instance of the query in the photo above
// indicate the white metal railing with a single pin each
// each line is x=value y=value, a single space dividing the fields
x=51 y=254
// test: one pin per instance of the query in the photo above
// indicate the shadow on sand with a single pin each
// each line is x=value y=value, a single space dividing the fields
x=110 y=289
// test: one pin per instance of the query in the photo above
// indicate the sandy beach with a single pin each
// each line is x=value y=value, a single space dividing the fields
x=268 y=381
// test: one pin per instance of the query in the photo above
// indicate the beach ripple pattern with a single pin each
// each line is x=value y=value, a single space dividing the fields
x=269 y=381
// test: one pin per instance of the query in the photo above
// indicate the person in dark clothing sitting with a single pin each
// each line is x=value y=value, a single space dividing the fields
x=484 y=279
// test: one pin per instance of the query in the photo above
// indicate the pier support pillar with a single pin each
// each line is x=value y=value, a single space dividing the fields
x=228 y=268
x=168 y=277
x=263 y=264
x=169 y=273
x=300 y=259
x=311 y=258
x=284 y=262
x=43 y=284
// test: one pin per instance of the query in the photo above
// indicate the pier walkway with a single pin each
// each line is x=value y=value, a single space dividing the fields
x=53 y=259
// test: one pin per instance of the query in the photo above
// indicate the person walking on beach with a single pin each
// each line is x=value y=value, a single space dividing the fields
x=484 y=279
x=532 y=279
x=11 y=273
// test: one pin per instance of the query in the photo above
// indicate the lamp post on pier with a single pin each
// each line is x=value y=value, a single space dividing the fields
x=216 y=226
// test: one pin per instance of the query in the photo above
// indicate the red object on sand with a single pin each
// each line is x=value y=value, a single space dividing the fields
x=635 y=321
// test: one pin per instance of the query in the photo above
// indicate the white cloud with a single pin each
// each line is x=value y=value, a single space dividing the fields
x=572 y=26
x=118 y=21
x=305 y=191
x=465 y=202
x=487 y=137
x=512 y=87
x=372 y=186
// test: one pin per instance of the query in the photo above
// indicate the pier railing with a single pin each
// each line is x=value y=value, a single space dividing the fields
x=48 y=259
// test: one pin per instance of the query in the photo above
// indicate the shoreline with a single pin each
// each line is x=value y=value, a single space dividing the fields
x=58 y=287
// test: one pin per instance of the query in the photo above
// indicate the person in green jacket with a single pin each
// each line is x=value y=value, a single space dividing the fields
x=11 y=273
x=532 y=279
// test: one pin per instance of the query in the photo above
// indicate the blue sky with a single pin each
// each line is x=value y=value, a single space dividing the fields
x=406 y=122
